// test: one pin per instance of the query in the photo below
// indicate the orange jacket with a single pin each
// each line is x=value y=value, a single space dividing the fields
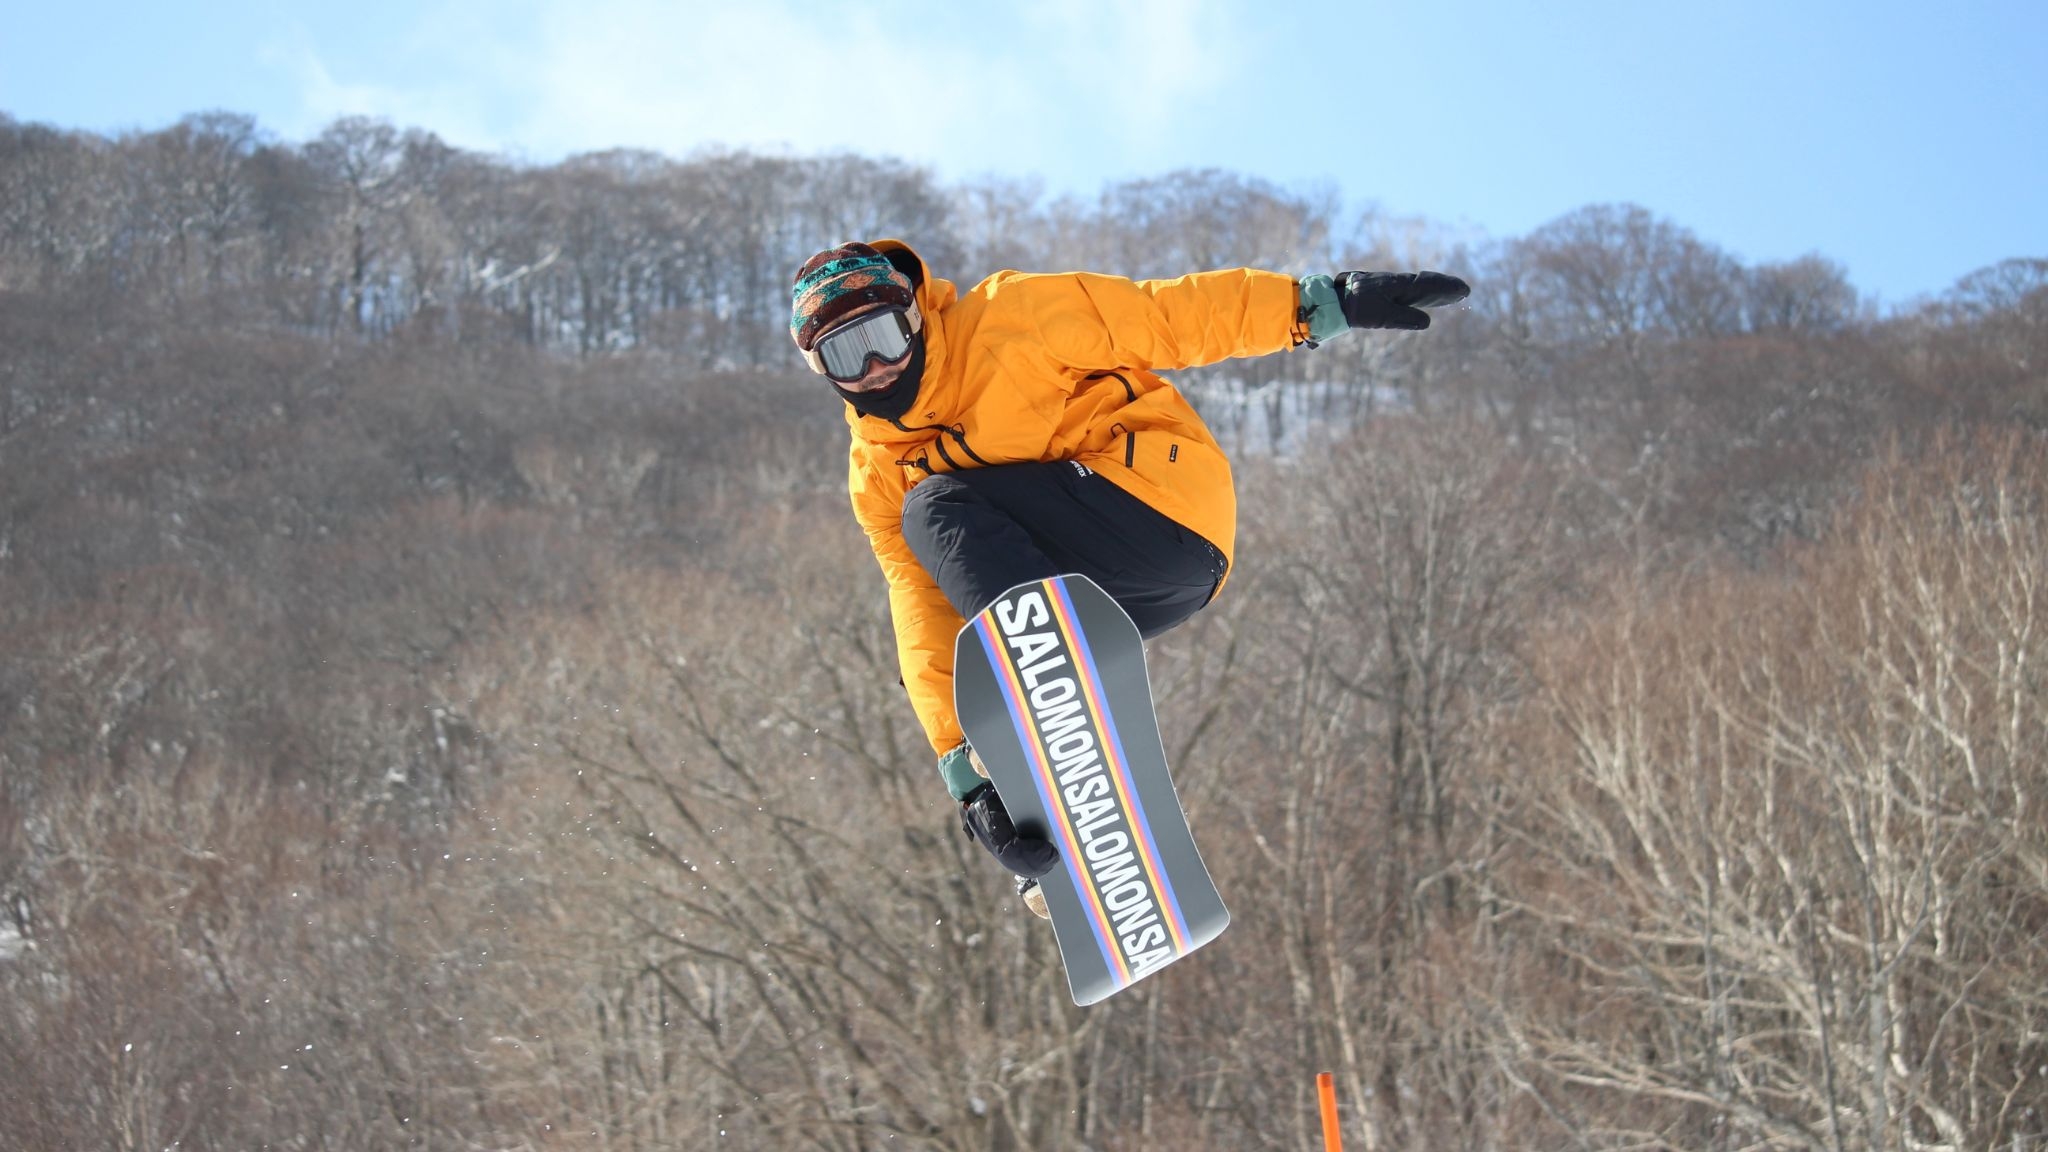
x=1029 y=368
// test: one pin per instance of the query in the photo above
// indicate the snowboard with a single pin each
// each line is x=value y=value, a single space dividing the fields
x=1050 y=686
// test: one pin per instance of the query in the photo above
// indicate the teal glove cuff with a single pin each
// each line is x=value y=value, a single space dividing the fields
x=1322 y=309
x=958 y=769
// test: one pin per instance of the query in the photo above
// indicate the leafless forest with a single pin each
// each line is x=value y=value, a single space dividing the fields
x=445 y=701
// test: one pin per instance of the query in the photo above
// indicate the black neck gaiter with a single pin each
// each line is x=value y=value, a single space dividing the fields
x=892 y=402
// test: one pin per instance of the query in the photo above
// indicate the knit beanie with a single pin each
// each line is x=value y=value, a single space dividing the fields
x=839 y=281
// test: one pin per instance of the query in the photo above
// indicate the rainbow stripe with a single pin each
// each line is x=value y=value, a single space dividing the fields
x=1113 y=750
x=1062 y=828
x=1110 y=745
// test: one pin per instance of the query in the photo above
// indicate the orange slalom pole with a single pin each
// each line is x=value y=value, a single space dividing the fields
x=1326 y=1089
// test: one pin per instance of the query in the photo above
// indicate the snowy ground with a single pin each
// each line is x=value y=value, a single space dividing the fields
x=1277 y=419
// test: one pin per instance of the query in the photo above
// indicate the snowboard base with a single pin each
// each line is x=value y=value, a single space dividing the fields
x=1051 y=688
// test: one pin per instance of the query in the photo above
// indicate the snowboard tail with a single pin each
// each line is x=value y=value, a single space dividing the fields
x=1050 y=685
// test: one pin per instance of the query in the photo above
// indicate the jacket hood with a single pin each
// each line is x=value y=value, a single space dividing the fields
x=933 y=293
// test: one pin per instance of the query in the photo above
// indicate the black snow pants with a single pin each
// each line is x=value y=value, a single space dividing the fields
x=982 y=531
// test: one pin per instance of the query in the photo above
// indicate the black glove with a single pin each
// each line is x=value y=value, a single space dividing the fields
x=985 y=819
x=1396 y=299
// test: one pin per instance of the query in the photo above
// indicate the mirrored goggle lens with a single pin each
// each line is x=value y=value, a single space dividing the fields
x=845 y=351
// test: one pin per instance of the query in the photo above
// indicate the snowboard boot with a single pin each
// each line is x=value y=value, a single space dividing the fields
x=1027 y=888
x=1034 y=897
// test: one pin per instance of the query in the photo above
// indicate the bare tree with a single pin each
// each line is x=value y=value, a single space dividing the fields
x=359 y=162
x=1777 y=845
x=1810 y=294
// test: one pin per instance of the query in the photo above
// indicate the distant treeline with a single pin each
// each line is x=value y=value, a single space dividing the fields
x=374 y=232
x=370 y=228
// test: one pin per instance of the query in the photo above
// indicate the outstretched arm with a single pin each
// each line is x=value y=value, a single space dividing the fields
x=1089 y=321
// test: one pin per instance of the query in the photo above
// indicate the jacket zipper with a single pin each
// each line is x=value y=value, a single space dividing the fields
x=1130 y=393
x=1130 y=397
x=959 y=435
x=953 y=430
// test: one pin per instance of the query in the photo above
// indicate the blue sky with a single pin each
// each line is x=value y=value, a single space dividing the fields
x=1904 y=140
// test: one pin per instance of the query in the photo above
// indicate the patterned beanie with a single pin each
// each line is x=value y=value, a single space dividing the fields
x=839 y=281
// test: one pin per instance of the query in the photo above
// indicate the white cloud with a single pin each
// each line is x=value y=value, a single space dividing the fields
x=1147 y=61
x=1061 y=85
x=448 y=109
x=321 y=97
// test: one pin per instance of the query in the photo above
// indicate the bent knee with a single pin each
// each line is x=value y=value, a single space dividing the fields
x=925 y=515
x=929 y=491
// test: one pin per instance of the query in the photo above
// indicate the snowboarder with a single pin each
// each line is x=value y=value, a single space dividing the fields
x=1021 y=431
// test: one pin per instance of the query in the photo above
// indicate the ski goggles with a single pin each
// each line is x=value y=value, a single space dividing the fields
x=843 y=353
